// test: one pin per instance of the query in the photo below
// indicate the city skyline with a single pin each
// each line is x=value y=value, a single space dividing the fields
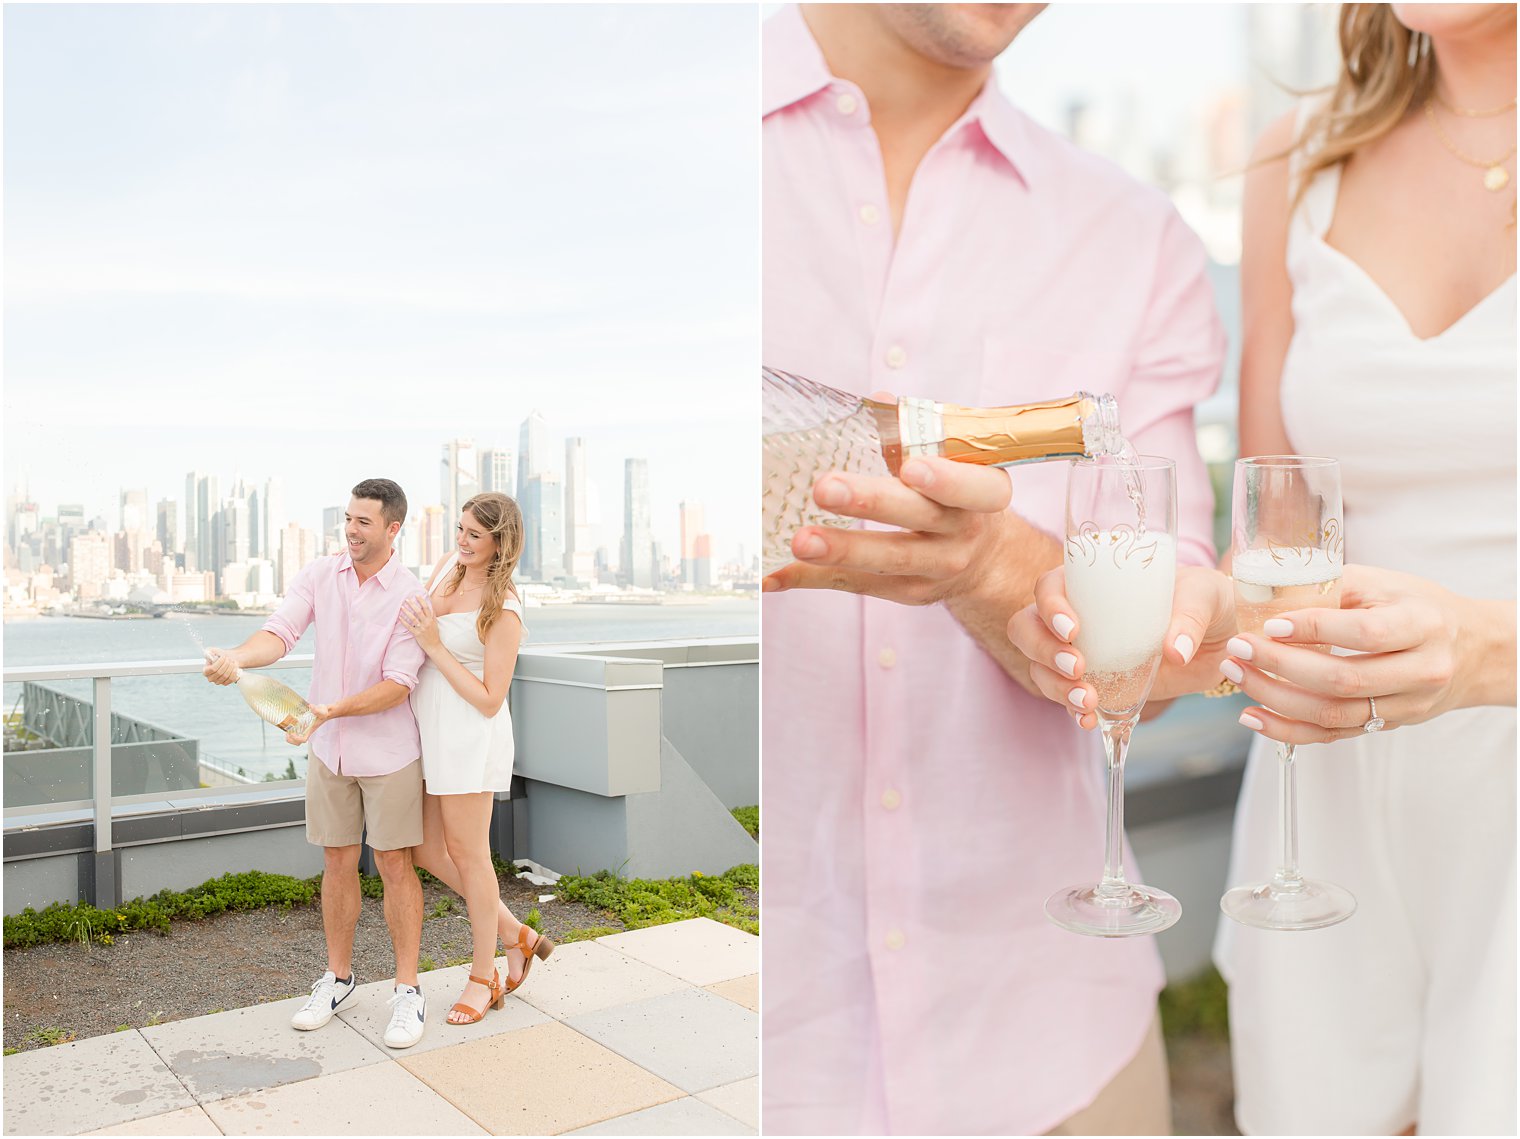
x=361 y=236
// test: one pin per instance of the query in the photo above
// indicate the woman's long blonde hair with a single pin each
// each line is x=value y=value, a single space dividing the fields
x=1385 y=69
x=500 y=516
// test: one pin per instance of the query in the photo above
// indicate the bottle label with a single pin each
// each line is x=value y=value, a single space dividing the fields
x=922 y=426
x=286 y=724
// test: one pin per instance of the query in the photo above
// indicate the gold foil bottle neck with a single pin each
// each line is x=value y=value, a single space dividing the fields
x=998 y=436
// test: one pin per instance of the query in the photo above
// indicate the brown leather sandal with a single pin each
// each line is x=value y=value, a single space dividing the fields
x=541 y=948
x=496 y=999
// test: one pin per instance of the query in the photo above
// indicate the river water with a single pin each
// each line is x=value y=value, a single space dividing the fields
x=230 y=735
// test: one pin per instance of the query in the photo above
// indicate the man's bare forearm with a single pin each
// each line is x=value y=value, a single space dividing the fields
x=376 y=698
x=258 y=650
x=1024 y=552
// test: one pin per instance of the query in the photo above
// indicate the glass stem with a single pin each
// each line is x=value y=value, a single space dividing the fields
x=1116 y=734
x=1288 y=877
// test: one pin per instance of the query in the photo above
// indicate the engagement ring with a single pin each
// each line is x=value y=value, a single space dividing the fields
x=1375 y=724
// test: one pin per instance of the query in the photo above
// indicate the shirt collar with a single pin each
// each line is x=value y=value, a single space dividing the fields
x=794 y=68
x=386 y=573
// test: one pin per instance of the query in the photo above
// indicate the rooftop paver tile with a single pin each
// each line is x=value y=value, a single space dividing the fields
x=679 y=1117
x=587 y=976
x=540 y=1081
x=185 y=1121
x=382 y=1099
x=251 y=1049
x=371 y=1012
x=741 y=990
x=741 y=1100
x=699 y=951
x=88 y=1084
x=694 y=1039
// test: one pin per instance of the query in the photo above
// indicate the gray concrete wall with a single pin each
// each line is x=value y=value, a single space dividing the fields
x=684 y=827
x=179 y=865
x=38 y=882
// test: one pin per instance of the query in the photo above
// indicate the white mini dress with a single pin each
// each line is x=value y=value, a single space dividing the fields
x=463 y=751
x=1405 y=1012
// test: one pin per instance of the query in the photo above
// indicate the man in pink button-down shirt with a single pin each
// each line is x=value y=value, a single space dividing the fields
x=364 y=778
x=924 y=237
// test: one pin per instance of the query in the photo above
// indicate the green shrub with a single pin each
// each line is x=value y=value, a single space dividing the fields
x=1197 y=1006
x=749 y=819
x=643 y=902
x=84 y=922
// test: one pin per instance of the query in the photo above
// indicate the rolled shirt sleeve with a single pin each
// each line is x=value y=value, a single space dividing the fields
x=295 y=614
x=403 y=655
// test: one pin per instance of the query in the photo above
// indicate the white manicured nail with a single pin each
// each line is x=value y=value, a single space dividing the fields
x=1184 y=646
x=1078 y=696
x=1063 y=625
x=1232 y=670
x=1251 y=722
x=1239 y=647
x=1067 y=663
x=1278 y=627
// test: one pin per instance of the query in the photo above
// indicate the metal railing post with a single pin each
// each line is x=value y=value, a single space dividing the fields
x=107 y=889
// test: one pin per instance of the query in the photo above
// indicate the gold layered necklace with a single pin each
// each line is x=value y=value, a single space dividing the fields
x=1495 y=176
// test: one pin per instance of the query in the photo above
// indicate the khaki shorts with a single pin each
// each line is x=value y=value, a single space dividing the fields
x=339 y=808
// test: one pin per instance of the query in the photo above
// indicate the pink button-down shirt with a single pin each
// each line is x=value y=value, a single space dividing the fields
x=919 y=805
x=360 y=642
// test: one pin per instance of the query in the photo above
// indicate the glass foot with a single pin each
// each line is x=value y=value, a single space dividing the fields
x=1306 y=905
x=1138 y=910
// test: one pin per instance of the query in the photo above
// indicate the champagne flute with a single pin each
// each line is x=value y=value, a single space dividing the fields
x=1287 y=551
x=1121 y=564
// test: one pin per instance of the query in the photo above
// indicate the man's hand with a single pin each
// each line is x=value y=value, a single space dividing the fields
x=324 y=713
x=221 y=666
x=951 y=515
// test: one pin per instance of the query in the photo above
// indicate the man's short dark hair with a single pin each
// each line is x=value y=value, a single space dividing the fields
x=391 y=497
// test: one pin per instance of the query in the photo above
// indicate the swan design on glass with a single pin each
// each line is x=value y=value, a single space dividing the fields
x=1125 y=543
x=1311 y=545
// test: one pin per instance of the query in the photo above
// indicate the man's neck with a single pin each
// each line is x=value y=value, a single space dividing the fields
x=366 y=570
x=911 y=97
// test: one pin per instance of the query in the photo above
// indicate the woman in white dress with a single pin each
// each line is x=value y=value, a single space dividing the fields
x=470 y=625
x=1378 y=296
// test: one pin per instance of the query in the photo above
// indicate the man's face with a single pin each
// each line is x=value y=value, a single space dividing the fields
x=957 y=35
x=368 y=534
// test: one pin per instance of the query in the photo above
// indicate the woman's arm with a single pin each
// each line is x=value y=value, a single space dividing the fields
x=502 y=643
x=1266 y=294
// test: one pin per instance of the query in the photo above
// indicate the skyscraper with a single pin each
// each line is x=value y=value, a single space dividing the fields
x=692 y=528
x=134 y=510
x=192 y=520
x=546 y=496
x=272 y=522
x=436 y=530
x=496 y=472
x=208 y=506
x=460 y=476
x=168 y=535
x=531 y=448
x=331 y=540
x=579 y=556
x=638 y=543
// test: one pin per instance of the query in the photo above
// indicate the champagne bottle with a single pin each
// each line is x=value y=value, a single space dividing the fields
x=274 y=702
x=810 y=428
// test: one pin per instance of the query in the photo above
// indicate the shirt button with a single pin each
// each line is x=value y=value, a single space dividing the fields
x=870 y=214
x=896 y=356
x=890 y=799
x=896 y=940
x=847 y=103
x=886 y=658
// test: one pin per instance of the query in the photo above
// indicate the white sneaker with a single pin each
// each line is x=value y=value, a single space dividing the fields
x=409 y=1018
x=326 y=995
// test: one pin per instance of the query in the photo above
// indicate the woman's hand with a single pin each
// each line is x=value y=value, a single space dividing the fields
x=1203 y=620
x=1425 y=651
x=420 y=620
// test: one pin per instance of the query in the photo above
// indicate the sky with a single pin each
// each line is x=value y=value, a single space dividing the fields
x=317 y=242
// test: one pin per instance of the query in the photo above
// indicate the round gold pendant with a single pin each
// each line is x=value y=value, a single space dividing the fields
x=1495 y=178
